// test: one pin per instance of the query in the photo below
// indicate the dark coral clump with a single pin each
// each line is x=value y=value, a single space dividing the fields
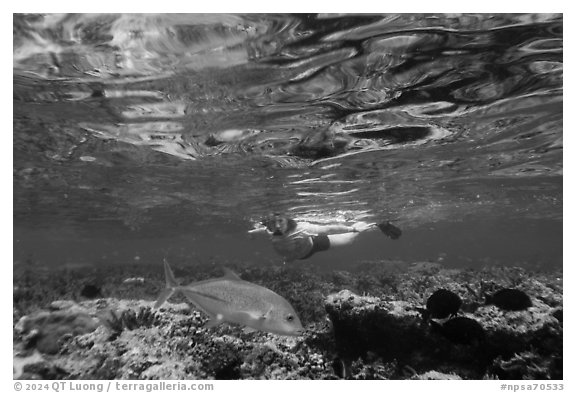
x=442 y=304
x=130 y=320
x=510 y=299
x=461 y=330
x=91 y=291
x=470 y=344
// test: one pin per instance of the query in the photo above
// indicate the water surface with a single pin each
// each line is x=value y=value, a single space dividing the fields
x=143 y=136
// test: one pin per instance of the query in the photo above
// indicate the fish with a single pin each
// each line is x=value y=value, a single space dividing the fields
x=229 y=299
x=442 y=304
x=510 y=300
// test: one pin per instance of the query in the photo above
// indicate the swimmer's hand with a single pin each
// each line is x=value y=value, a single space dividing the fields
x=255 y=231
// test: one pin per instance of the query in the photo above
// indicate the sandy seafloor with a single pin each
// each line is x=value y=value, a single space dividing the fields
x=98 y=323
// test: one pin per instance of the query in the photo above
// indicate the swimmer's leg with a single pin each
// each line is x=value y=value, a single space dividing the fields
x=393 y=232
x=342 y=239
x=362 y=226
x=325 y=242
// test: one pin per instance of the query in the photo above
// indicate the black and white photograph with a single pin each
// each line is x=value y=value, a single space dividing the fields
x=287 y=196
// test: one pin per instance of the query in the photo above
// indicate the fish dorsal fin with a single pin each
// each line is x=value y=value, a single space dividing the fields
x=230 y=275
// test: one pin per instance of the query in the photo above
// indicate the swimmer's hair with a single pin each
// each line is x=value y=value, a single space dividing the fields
x=268 y=223
x=291 y=224
x=271 y=217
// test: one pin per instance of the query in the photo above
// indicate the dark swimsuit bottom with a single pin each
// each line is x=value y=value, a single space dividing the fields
x=319 y=243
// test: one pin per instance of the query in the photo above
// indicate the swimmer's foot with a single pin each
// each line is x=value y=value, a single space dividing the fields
x=390 y=230
x=362 y=226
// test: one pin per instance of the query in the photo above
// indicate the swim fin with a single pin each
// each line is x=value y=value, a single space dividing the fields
x=390 y=230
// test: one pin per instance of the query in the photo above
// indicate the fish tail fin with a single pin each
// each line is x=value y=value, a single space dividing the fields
x=171 y=286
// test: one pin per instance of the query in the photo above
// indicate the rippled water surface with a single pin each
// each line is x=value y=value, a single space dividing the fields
x=143 y=136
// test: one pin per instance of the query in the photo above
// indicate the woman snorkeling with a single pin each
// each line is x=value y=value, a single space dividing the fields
x=300 y=240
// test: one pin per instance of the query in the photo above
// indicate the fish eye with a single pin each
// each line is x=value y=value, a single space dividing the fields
x=290 y=318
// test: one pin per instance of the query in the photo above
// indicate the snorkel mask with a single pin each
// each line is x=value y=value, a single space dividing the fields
x=279 y=224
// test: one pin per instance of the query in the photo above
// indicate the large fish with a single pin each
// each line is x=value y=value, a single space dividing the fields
x=231 y=299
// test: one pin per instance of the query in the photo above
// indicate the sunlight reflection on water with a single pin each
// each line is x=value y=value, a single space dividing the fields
x=224 y=118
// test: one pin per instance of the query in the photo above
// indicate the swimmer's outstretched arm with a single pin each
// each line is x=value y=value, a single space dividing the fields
x=258 y=230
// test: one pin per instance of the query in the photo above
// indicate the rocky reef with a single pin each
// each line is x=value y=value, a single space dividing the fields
x=360 y=324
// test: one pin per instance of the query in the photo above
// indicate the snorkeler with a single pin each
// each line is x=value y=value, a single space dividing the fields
x=300 y=240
